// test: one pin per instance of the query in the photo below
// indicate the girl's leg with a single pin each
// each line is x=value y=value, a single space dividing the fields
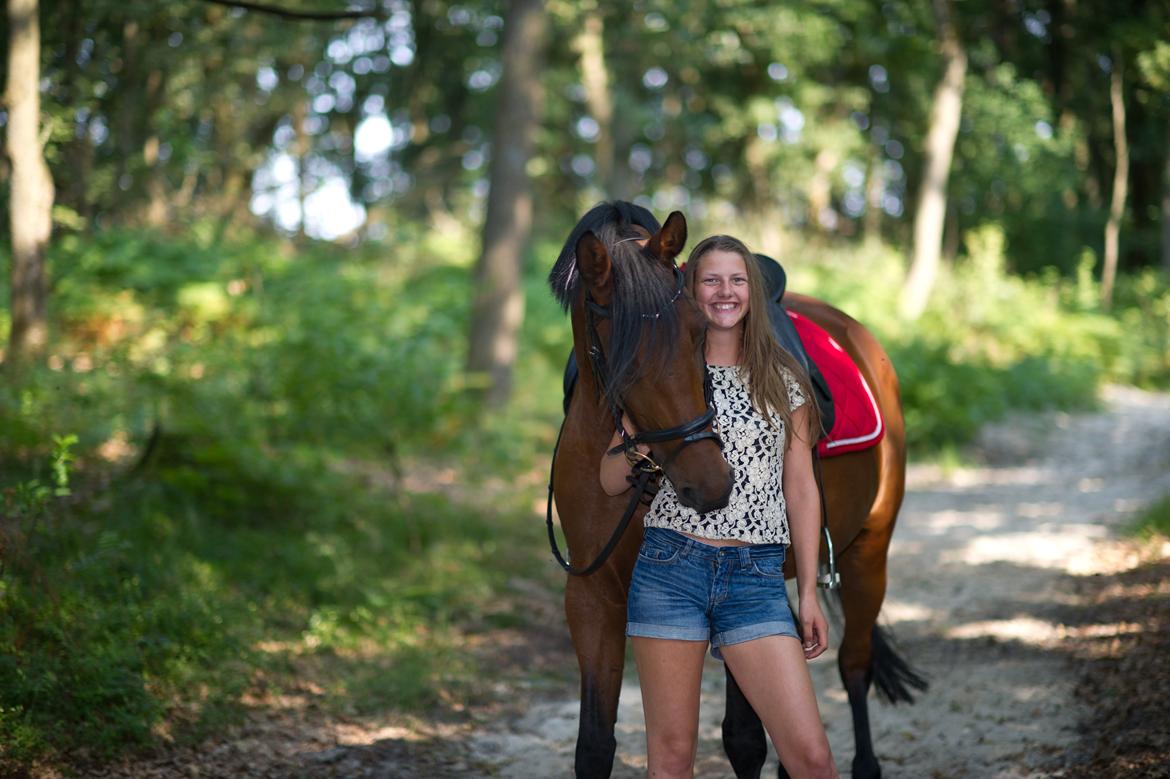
x=773 y=674
x=670 y=673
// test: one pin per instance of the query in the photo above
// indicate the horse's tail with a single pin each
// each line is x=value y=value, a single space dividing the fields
x=892 y=675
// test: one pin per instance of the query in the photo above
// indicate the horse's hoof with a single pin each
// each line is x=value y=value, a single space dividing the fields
x=867 y=768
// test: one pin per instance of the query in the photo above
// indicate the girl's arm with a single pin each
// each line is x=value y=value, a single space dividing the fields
x=615 y=468
x=804 y=522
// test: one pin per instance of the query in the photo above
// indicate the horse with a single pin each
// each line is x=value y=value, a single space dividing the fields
x=638 y=341
x=652 y=368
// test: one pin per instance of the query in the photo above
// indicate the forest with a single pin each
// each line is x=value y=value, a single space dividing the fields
x=281 y=372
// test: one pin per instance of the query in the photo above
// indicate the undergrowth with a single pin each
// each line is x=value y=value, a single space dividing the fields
x=1154 y=521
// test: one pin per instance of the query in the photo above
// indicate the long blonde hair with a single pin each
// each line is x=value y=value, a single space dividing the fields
x=762 y=359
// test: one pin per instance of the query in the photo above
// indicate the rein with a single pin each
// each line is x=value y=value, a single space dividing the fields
x=689 y=432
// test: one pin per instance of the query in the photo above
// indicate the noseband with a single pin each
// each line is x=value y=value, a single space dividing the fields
x=693 y=431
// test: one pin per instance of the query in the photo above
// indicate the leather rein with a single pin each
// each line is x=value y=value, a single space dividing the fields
x=692 y=431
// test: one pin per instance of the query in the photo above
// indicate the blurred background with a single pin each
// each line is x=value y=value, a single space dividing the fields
x=281 y=371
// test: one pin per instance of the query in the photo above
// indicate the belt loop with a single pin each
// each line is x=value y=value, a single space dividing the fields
x=745 y=556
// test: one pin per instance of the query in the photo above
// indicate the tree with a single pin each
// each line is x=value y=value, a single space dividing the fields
x=930 y=214
x=1120 y=184
x=1166 y=213
x=598 y=96
x=498 y=308
x=31 y=200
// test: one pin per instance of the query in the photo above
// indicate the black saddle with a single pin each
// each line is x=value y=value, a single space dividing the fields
x=777 y=281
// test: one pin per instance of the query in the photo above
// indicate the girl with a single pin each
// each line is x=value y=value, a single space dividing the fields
x=718 y=578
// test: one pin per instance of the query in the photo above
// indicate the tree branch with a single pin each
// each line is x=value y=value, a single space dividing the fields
x=300 y=16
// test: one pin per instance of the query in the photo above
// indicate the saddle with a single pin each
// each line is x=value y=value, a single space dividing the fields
x=789 y=338
x=850 y=416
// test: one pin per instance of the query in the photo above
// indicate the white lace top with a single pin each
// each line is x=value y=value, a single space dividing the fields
x=756 y=512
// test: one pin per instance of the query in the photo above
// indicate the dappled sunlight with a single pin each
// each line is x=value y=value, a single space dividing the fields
x=943 y=522
x=895 y=610
x=1056 y=548
x=1025 y=629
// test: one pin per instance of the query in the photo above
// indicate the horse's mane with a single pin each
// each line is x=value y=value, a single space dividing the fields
x=643 y=294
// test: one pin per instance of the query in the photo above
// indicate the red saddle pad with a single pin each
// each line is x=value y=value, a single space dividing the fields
x=858 y=424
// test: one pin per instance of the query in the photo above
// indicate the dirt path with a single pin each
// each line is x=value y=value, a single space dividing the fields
x=984 y=563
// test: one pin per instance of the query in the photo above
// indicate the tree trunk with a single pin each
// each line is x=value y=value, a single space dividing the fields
x=31 y=200
x=952 y=240
x=1166 y=214
x=871 y=220
x=760 y=208
x=820 y=190
x=498 y=308
x=1120 y=185
x=590 y=45
x=302 y=146
x=940 y=147
x=623 y=184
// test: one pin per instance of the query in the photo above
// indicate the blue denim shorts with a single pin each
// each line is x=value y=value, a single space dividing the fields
x=687 y=590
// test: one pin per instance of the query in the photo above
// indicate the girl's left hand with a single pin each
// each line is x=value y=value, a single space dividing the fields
x=814 y=629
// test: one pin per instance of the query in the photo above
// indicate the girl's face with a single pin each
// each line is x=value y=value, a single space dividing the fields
x=721 y=289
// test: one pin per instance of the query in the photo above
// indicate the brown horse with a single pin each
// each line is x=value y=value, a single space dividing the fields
x=638 y=341
x=643 y=356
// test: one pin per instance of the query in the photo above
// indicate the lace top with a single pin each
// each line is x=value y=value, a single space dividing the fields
x=756 y=512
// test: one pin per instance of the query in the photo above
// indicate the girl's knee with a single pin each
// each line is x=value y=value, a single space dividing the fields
x=672 y=755
x=814 y=761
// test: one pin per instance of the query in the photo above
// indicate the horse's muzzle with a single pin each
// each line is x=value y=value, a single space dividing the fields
x=693 y=497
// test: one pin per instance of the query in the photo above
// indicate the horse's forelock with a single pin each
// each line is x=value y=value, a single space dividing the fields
x=643 y=291
x=614 y=217
x=643 y=307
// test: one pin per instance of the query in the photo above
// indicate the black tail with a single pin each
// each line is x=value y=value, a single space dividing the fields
x=892 y=675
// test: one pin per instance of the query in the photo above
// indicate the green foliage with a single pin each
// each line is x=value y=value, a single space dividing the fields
x=158 y=606
x=1014 y=170
x=1154 y=520
x=1143 y=302
x=253 y=409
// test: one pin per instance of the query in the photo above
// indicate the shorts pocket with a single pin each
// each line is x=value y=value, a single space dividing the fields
x=653 y=552
x=769 y=566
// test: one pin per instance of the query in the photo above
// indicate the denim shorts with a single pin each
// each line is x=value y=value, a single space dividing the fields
x=687 y=590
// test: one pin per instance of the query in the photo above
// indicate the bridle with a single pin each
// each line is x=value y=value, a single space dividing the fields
x=698 y=429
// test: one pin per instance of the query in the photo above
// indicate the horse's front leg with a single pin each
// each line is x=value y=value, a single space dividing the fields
x=596 y=610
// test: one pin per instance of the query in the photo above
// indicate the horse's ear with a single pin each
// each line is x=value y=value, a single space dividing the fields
x=596 y=267
x=668 y=242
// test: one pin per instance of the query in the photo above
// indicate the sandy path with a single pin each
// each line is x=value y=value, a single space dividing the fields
x=981 y=568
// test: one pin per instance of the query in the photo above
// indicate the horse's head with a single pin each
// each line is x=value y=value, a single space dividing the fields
x=645 y=350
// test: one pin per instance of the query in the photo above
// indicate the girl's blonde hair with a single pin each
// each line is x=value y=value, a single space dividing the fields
x=762 y=359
